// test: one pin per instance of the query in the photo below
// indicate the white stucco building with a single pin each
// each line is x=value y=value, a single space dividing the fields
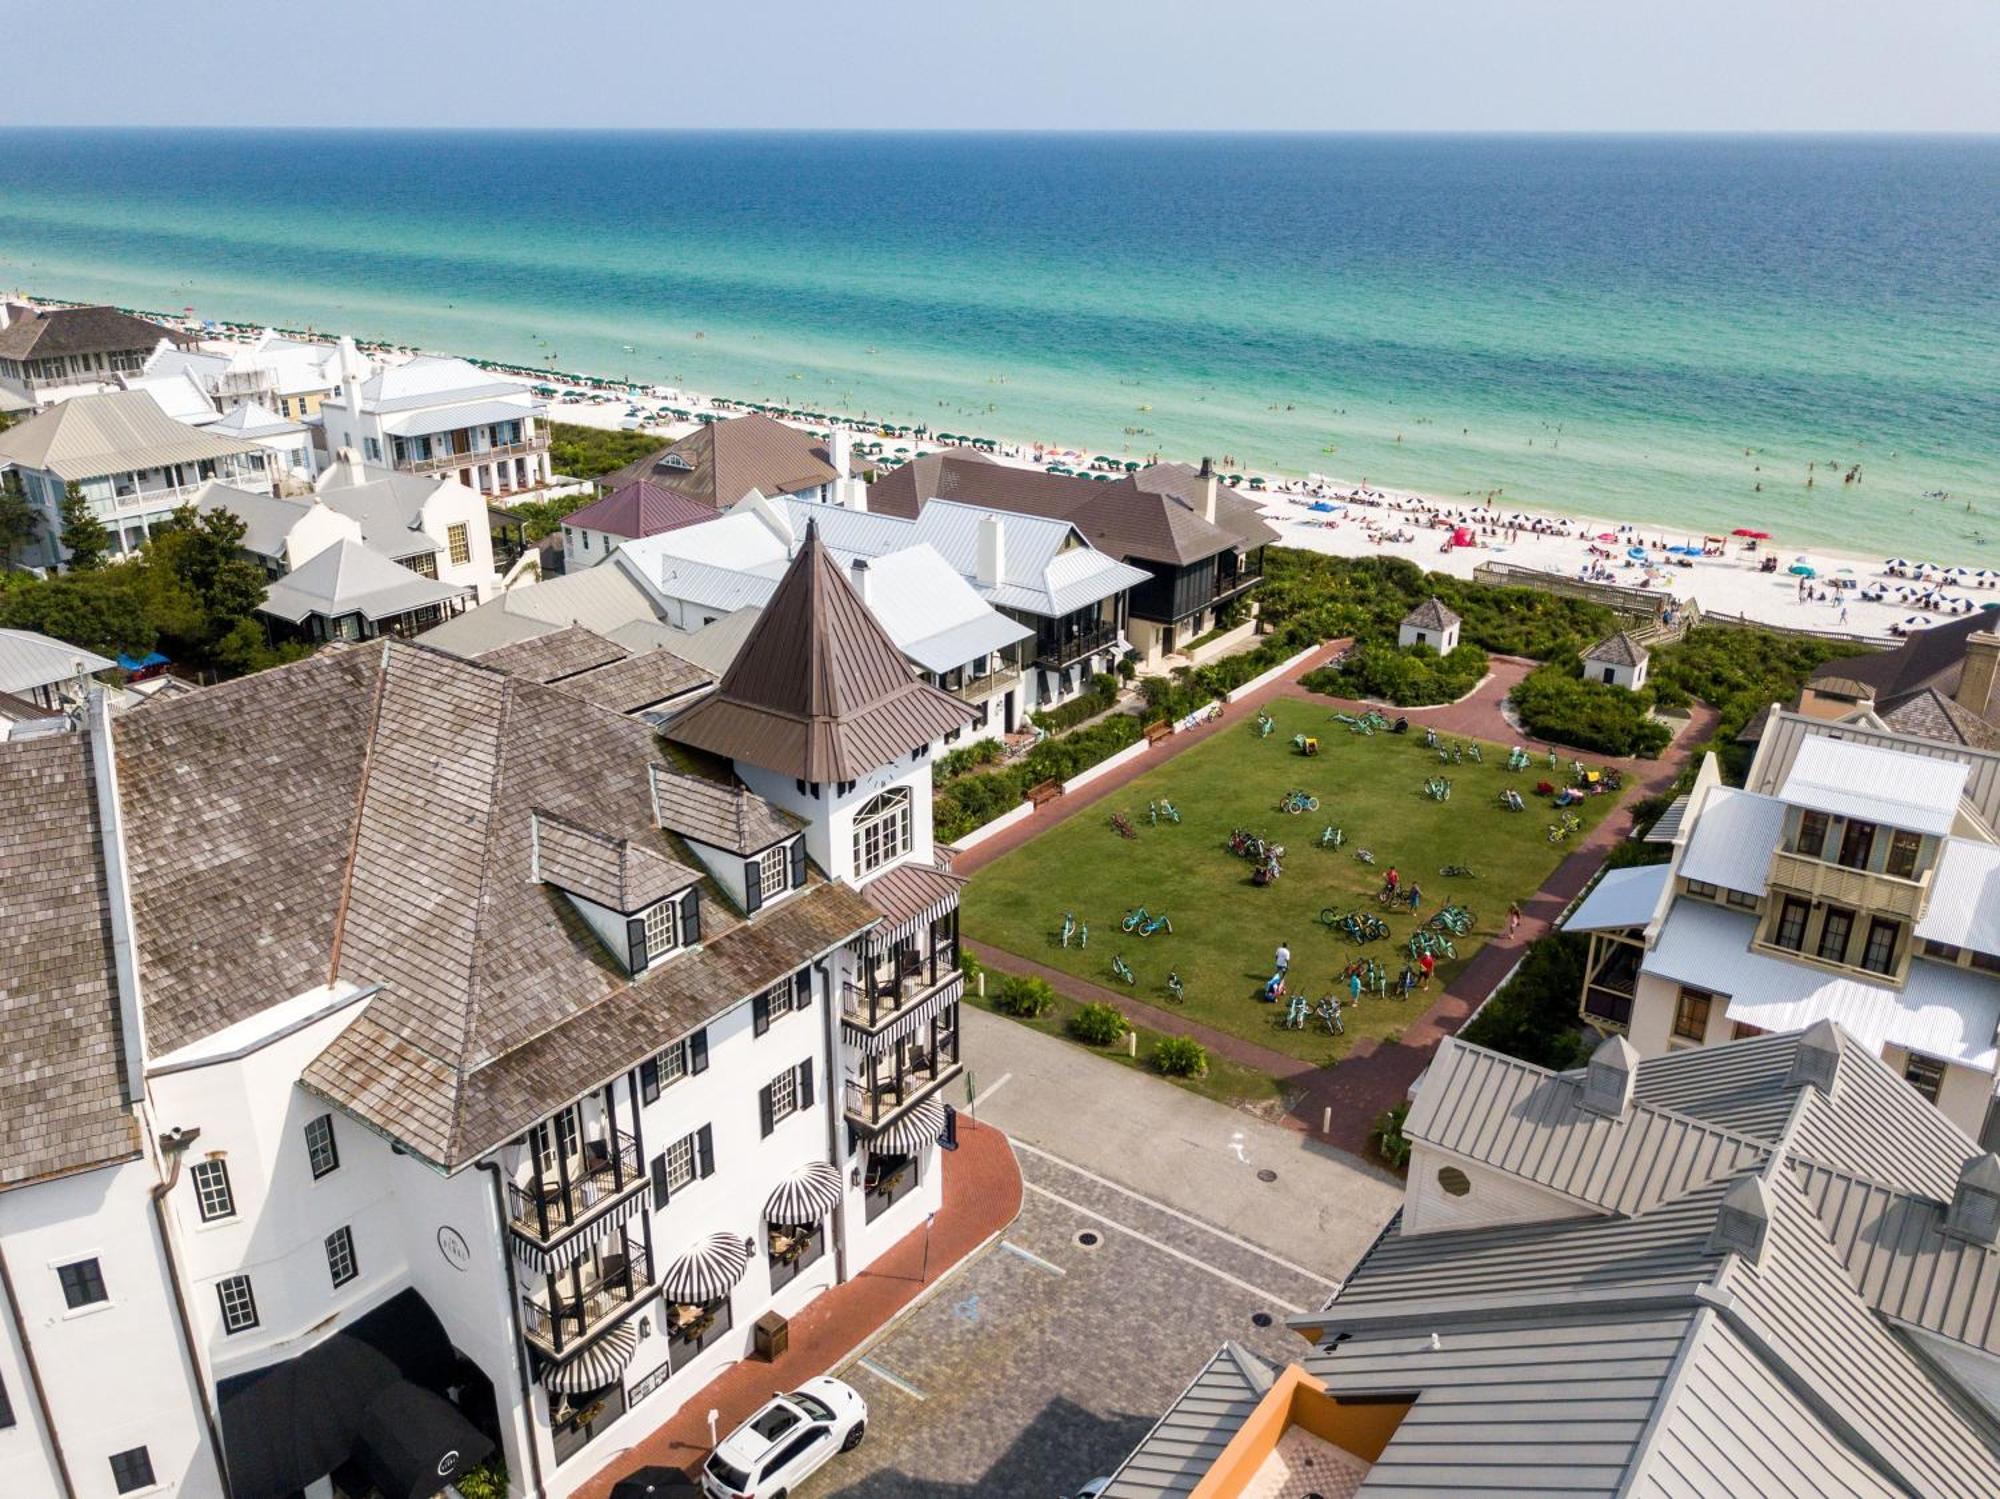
x=437 y=416
x=1431 y=624
x=1618 y=660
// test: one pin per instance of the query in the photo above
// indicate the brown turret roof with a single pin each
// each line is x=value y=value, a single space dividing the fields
x=819 y=691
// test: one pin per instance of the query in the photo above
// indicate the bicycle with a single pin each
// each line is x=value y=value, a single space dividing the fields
x=1135 y=917
x=1457 y=872
x=1176 y=993
x=1331 y=837
x=1152 y=924
x=1068 y=927
x=1561 y=831
x=1295 y=1014
x=1329 y=1012
x=1122 y=825
x=1364 y=856
x=1263 y=724
x=1296 y=802
x=1122 y=970
x=1168 y=810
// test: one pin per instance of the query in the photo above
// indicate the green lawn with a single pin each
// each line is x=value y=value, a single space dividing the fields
x=1225 y=928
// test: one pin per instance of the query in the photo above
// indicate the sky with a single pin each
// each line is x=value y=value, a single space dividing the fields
x=1449 y=65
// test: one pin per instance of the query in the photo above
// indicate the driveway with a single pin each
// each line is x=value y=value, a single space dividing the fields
x=1147 y=1237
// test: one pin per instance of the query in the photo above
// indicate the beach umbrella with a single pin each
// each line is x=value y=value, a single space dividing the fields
x=1799 y=569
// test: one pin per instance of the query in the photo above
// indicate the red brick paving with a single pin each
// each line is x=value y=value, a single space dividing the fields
x=1377 y=1073
x=982 y=1195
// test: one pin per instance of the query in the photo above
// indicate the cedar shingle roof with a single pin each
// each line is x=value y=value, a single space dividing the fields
x=819 y=691
x=49 y=332
x=721 y=814
x=1431 y=614
x=554 y=656
x=367 y=816
x=720 y=463
x=63 y=1105
x=1616 y=649
x=599 y=670
x=1930 y=714
x=613 y=872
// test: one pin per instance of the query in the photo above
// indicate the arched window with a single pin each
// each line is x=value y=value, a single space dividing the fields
x=882 y=830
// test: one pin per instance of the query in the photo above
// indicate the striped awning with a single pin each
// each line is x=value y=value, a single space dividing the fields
x=909 y=1134
x=539 y=1259
x=805 y=1197
x=912 y=1021
x=596 y=1366
x=708 y=1270
x=910 y=897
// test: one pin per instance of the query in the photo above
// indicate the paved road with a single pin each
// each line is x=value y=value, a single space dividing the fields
x=1146 y=1238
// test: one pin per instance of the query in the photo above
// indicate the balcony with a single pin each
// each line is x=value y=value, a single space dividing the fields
x=1227 y=586
x=585 y=1299
x=536 y=444
x=1856 y=889
x=873 y=1108
x=578 y=1190
x=979 y=689
x=900 y=981
x=1056 y=654
x=889 y=1080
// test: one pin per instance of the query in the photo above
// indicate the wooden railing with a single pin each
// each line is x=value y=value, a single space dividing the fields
x=1857 y=889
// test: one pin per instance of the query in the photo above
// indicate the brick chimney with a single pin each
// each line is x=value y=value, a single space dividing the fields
x=1977 y=678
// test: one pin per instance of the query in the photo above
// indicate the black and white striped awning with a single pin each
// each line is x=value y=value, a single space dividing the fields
x=910 y=897
x=707 y=1271
x=540 y=1260
x=912 y=1132
x=915 y=1019
x=596 y=1366
x=805 y=1197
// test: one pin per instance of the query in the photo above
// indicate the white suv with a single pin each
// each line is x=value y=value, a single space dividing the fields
x=786 y=1441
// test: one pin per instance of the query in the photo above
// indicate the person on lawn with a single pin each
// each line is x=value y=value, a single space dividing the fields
x=1424 y=965
x=1284 y=959
x=1391 y=880
x=1416 y=896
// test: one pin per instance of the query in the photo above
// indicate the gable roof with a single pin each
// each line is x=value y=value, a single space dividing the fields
x=1925 y=658
x=63 y=1105
x=604 y=599
x=641 y=507
x=349 y=578
x=614 y=873
x=722 y=814
x=50 y=332
x=1932 y=714
x=29 y=660
x=562 y=652
x=1184 y=1444
x=1617 y=649
x=819 y=690
x=1850 y=779
x=86 y=437
x=719 y=463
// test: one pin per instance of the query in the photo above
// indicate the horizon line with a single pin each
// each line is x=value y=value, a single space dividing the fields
x=1356 y=132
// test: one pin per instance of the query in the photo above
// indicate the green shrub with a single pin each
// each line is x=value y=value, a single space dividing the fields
x=1555 y=703
x=1180 y=1056
x=972 y=800
x=1027 y=998
x=958 y=762
x=1535 y=1017
x=1098 y=1024
x=1093 y=700
x=487 y=1481
x=1410 y=678
x=1738 y=673
x=590 y=452
x=971 y=967
x=1388 y=1138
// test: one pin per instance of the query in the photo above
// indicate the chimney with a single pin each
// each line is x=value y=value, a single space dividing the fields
x=124 y=937
x=1974 y=1215
x=861 y=577
x=1977 y=678
x=352 y=373
x=1817 y=1061
x=1207 y=477
x=840 y=449
x=991 y=565
x=1742 y=1220
x=1608 y=1080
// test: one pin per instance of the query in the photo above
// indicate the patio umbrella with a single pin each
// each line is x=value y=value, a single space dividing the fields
x=654 y=1483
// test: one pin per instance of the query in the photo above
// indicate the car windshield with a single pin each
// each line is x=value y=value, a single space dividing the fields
x=775 y=1420
x=732 y=1478
x=812 y=1405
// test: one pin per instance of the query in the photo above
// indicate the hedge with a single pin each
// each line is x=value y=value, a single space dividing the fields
x=1094 y=699
x=972 y=800
x=1411 y=678
x=1555 y=703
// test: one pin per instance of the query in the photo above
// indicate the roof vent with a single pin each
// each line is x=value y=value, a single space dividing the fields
x=1817 y=1061
x=1608 y=1080
x=1974 y=1214
x=1742 y=1220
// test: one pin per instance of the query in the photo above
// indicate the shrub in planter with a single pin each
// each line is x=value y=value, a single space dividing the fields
x=1180 y=1056
x=487 y=1481
x=1098 y=1024
x=1388 y=1138
x=1028 y=998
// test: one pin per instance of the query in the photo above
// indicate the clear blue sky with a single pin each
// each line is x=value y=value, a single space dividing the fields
x=1012 y=64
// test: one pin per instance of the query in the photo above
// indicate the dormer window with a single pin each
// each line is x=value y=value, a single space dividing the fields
x=770 y=874
x=663 y=929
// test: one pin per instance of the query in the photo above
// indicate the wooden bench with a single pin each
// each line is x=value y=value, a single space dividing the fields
x=1155 y=732
x=1047 y=791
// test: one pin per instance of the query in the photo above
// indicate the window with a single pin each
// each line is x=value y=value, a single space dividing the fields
x=82 y=1283
x=774 y=871
x=555 y=1139
x=132 y=1469
x=680 y=1162
x=1791 y=931
x=1879 y=956
x=785 y=1095
x=1833 y=934
x=424 y=564
x=1812 y=834
x=669 y=1067
x=1944 y=952
x=882 y=830
x=1743 y=900
x=1986 y=961
x=321 y=1150
x=1702 y=888
x=792 y=1248
x=889 y=1179
x=1903 y=849
x=239 y=1304
x=1857 y=844
x=459 y=541
x=211 y=1189
x=1925 y=1075
x=689 y=1159
x=1691 y=1015
x=374 y=449
x=340 y=1256
x=1742 y=1030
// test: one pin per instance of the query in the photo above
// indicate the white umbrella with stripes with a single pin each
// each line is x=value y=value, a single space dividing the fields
x=707 y=1271
x=806 y=1196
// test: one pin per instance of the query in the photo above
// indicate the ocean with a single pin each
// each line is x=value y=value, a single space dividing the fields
x=1799 y=334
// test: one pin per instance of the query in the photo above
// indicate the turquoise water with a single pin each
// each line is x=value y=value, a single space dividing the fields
x=1642 y=328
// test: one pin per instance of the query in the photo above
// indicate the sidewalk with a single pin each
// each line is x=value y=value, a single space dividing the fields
x=982 y=1195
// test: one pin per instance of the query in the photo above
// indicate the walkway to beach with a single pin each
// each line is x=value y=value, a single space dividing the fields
x=1376 y=1074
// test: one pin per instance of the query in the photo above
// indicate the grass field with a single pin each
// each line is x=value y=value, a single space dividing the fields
x=1227 y=929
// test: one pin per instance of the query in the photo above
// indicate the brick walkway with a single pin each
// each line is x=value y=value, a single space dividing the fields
x=982 y=1195
x=1376 y=1074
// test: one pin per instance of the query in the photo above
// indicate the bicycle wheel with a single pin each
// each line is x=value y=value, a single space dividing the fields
x=1328 y=916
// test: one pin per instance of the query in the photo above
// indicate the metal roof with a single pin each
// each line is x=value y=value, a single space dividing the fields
x=29 y=660
x=349 y=578
x=602 y=599
x=1964 y=906
x=1942 y=1011
x=1185 y=1442
x=251 y=420
x=431 y=380
x=86 y=437
x=1784 y=732
x=267 y=519
x=1734 y=836
x=1667 y=826
x=470 y=414
x=1875 y=785
x=1622 y=898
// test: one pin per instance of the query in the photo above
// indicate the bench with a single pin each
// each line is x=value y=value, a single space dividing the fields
x=1047 y=791
x=1155 y=732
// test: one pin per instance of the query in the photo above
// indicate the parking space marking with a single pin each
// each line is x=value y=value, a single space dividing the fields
x=991 y=1088
x=1166 y=1249
x=1034 y=1259
x=894 y=1381
x=1174 y=1212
